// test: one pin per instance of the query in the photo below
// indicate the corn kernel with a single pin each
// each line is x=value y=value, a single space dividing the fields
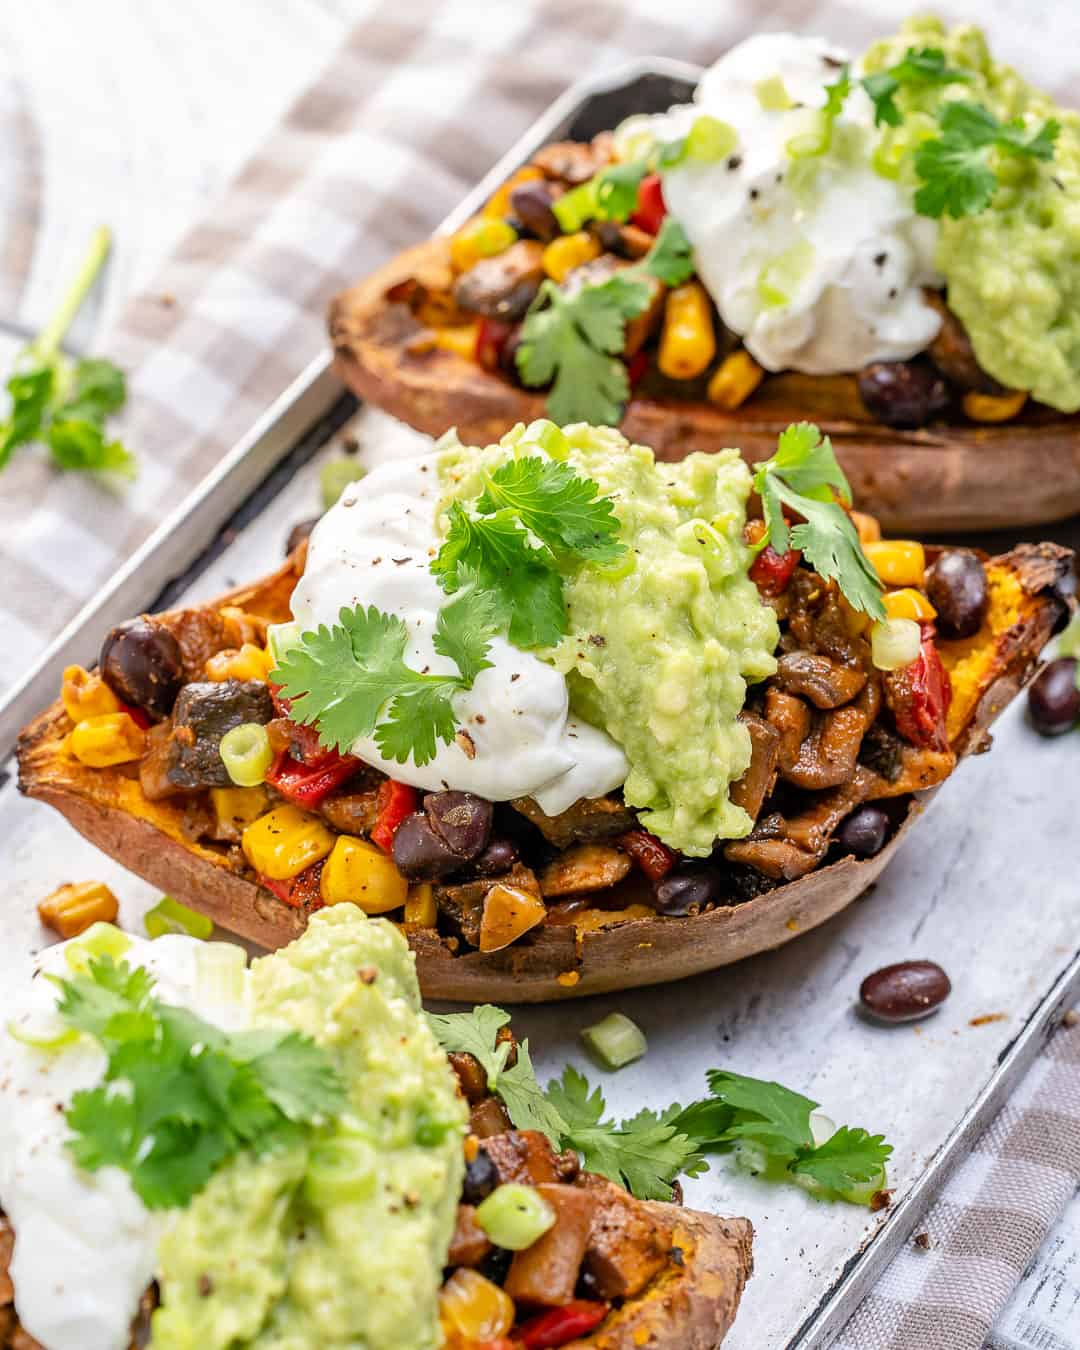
x=481 y=237
x=85 y=695
x=420 y=910
x=908 y=604
x=461 y=339
x=474 y=1307
x=358 y=873
x=562 y=255
x=509 y=911
x=898 y=562
x=281 y=844
x=994 y=407
x=249 y=663
x=499 y=201
x=235 y=808
x=110 y=738
x=869 y=530
x=687 y=339
x=736 y=378
x=75 y=907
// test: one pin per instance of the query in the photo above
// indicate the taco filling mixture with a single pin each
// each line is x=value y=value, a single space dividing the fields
x=909 y=215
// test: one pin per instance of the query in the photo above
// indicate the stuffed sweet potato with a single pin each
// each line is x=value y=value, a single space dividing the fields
x=543 y=907
x=838 y=271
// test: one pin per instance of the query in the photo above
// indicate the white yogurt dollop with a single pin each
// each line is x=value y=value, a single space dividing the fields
x=818 y=264
x=85 y=1244
x=519 y=737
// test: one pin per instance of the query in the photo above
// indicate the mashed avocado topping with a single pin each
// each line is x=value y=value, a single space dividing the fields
x=337 y=1239
x=1013 y=270
x=664 y=641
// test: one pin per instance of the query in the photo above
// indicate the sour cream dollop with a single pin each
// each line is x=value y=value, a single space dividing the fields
x=518 y=736
x=818 y=263
x=86 y=1246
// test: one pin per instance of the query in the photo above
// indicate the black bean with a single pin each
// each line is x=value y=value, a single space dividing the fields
x=687 y=889
x=499 y=856
x=461 y=819
x=421 y=854
x=957 y=586
x=299 y=532
x=481 y=1178
x=142 y=664
x=1053 y=698
x=904 y=992
x=864 y=832
x=531 y=203
x=903 y=393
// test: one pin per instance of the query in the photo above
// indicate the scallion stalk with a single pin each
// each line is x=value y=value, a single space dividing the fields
x=515 y=1216
x=615 y=1041
x=247 y=754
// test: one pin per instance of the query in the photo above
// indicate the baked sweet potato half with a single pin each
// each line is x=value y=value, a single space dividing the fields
x=584 y=902
x=656 y=1274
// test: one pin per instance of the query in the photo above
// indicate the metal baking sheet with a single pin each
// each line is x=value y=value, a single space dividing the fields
x=982 y=886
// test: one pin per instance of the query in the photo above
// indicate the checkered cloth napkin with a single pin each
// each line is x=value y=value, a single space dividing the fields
x=420 y=101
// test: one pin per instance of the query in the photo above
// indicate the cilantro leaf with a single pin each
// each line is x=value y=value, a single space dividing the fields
x=180 y=1096
x=804 y=475
x=670 y=259
x=850 y=1157
x=340 y=679
x=925 y=66
x=956 y=167
x=766 y=1111
x=65 y=405
x=523 y=1097
x=563 y=511
x=610 y=194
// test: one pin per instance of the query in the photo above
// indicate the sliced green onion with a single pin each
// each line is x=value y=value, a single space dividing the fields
x=514 y=1216
x=282 y=638
x=100 y=939
x=772 y=94
x=170 y=916
x=219 y=974
x=780 y=278
x=864 y=1191
x=343 y=1166
x=548 y=437
x=50 y=1042
x=615 y=1041
x=821 y=1127
x=709 y=139
x=894 y=643
x=335 y=476
x=247 y=754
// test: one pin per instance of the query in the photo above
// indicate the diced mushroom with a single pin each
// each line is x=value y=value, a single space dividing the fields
x=204 y=712
x=351 y=812
x=827 y=757
x=503 y=287
x=469 y=1244
x=826 y=683
x=791 y=717
x=585 y=867
x=488 y=1119
x=523 y=1155
x=759 y=779
x=589 y=819
x=574 y=161
x=546 y=1274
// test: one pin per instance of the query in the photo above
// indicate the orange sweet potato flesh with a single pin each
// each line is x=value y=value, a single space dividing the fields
x=947 y=476
x=634 y=948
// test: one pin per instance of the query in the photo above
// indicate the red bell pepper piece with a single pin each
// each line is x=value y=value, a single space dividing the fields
x=636 y=368
x=299 y=892
x=919 y=696
x=308 y=784
x=771 y=571
x=654 y=858
x=650 y=210
x=491 y=338
x=560 y=1325
x=136 y=714
x=394 y=802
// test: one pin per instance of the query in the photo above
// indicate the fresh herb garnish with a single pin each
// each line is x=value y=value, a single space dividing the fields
x=610 y=194
x=818 y=140
x=179 y=1095
x=341 y=678
x=804 y=476
x=956 y=167
x=776 y=1120
x=575 y=340
x=925 y=66
x=64 y=404
x=534 y=521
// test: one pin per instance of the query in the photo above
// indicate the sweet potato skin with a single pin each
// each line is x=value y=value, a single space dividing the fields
x=552 y=962
x=948 y=476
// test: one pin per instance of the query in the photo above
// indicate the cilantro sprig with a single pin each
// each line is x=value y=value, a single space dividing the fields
x=925 y=66
x=341 y=678
x=65 y=404
x=804 y=476
x=179 y=1096
x=957 y=167
x=573 y=342
x=535 y=520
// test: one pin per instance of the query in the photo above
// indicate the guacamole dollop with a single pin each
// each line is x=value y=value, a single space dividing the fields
x=663 y=643
x=339 y=1239
x=1013 y=270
